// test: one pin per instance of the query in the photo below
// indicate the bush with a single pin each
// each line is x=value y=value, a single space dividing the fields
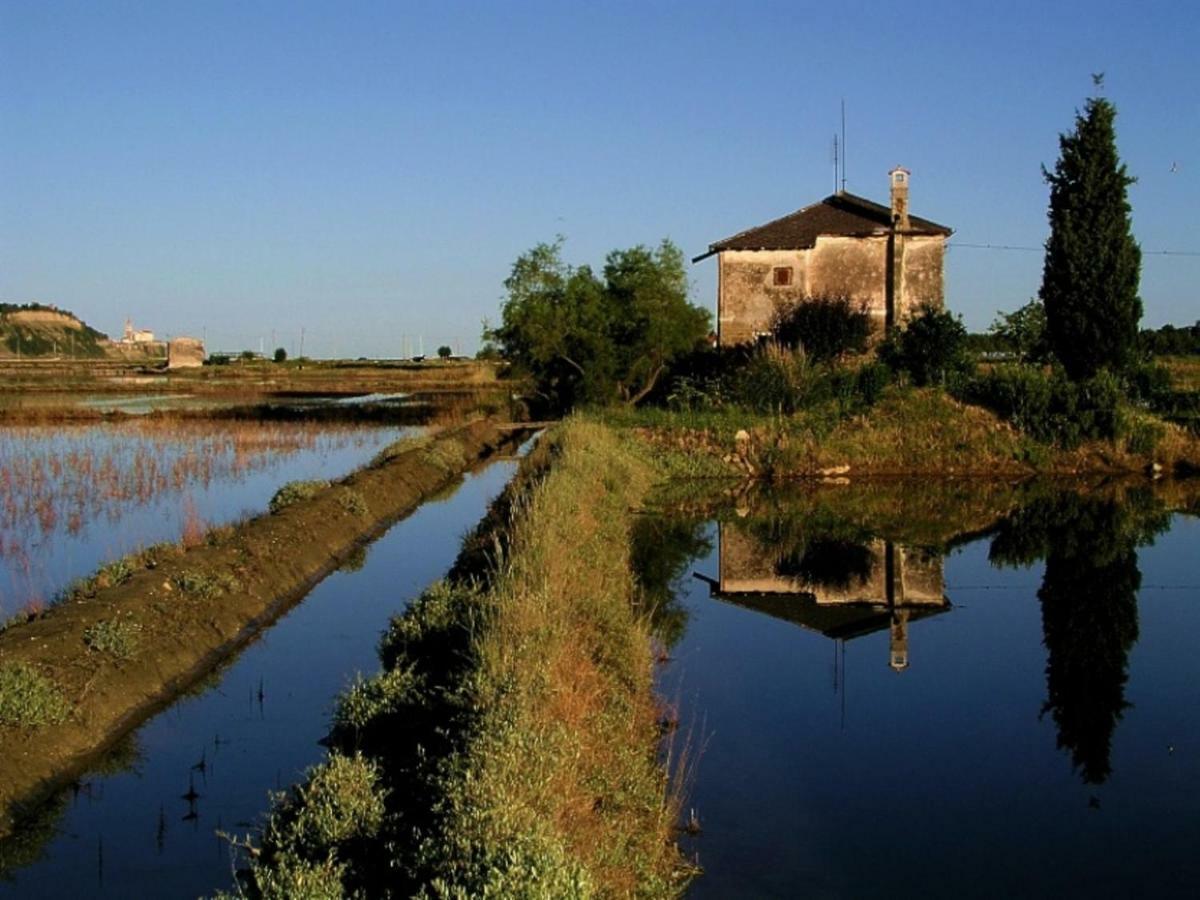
x=28 y=698
x=932 y=348
x=825 y=327
x=204 y=585
x=444 y=352
x=294 y=492
x=119 y=639
x=1047 y=405
x=280 y=355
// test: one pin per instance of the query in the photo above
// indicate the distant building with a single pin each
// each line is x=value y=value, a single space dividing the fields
x=881 y=256
x=136 y=335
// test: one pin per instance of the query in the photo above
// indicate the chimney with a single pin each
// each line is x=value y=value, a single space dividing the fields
x=899 y=178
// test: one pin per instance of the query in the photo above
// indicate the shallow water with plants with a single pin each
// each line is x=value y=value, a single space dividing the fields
x=911 y=690
x=74 y=498
x=145 y=821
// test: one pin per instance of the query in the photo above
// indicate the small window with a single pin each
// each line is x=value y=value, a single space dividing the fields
x=782 y=276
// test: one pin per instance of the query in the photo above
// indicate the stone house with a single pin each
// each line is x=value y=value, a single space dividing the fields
x=880 y=256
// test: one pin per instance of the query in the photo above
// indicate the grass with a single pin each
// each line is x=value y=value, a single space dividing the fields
x=29 y=699
x=294 y=492
x=908 y=431
x=513 y=730
x=353 y=502
x=118 y=638
x=204 y=585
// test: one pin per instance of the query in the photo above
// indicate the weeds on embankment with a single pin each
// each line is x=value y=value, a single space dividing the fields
x=28 y=698
x=511 y=736
x=907 y=431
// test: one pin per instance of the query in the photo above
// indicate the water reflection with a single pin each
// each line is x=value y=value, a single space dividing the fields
x=996 y=698
x=1089 y=608
x=837 y=587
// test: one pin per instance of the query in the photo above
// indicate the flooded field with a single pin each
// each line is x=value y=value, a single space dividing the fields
x=145 y=822
x=889 y=693
x=75 y=497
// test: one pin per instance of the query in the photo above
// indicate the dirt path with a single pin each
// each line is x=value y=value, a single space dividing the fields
x=195 y=608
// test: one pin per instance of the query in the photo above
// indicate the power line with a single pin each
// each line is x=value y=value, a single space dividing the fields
x=1042 y=249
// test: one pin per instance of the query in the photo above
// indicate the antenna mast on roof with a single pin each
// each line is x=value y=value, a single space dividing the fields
x=835 y=162
x=843 y=145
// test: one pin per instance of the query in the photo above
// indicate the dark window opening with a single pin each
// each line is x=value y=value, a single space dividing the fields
x=783 y=276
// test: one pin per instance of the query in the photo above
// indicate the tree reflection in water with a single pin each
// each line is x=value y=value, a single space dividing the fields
x=1089 y=609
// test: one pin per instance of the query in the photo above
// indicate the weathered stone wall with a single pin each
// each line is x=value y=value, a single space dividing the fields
x=923 y=275
x=853 y=267
x=747 y=294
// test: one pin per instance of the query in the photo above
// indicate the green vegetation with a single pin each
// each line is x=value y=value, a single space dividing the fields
x=118 y=638
x=1093 y=264
x=1023 y=332
x=353 y=502
x=824 y=328
x=280 y=355
x=931 y=348
x=205 y=585
x=587 y=340
x=29 y=699
x=507 y=748
x=294 y=492
x=23 y=336
x=444 y=352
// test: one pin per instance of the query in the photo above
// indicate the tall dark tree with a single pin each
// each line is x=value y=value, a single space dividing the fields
x=1093 y=264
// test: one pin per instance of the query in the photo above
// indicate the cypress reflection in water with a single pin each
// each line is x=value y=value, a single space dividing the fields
x=1089 y=610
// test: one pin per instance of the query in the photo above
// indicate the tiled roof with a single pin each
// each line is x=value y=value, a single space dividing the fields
x=841 y=214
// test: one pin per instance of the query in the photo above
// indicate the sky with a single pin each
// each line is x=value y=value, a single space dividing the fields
x=368 y=172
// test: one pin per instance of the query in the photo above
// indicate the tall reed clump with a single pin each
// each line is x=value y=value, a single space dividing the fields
x=513 y=731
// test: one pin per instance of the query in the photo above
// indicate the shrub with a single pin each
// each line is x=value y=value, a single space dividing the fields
x=932 y=348
x=444 y=352
x=353 y=502
x=1047 y=405
x=825 y=327
x=119 y=639
x=294 y=492
x=204 y=585
x=776 y=380
x=280 y=355
x=28 y=699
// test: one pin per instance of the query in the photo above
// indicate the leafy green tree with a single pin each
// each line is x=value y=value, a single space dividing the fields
x=444 y=352
x=1093 y=265
x=1024 y=331
x=587 y=339
x=932 y=348
x=280 y=355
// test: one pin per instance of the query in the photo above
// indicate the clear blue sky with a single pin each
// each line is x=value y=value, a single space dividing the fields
x=370 y=170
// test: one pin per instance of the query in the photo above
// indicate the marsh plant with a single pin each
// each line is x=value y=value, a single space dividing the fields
x=118 y=638
x=205 y=585
x=29 y=699
x=294 y=492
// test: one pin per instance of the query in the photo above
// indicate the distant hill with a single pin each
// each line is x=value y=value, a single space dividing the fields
x=33 y=329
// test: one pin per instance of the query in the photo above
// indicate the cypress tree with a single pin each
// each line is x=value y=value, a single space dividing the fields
x=1093 y=264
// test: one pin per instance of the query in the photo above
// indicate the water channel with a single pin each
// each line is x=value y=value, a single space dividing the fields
x=890 y=692
x=145 y=823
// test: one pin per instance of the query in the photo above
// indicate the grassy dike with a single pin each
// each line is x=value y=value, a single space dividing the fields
x=509 y=747
x=908 y=432
x=127 y=641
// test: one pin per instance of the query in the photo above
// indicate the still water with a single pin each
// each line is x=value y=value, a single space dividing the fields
x=74 y=498
x=885 y=691
x=145 y=824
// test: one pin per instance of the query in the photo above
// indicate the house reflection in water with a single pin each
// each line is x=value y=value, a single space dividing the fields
x=840 y=589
